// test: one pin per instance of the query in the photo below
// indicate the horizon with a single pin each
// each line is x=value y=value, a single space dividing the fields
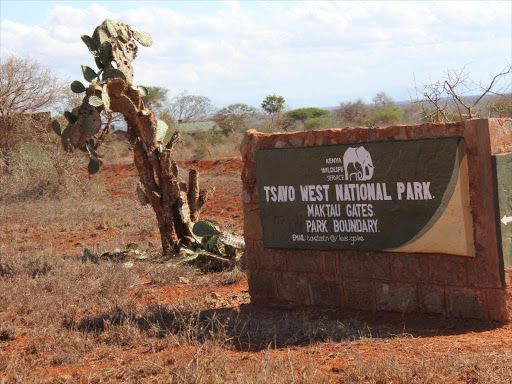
x=240 y=52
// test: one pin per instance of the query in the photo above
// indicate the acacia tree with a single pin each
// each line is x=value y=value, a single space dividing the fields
x=273 y=105
x=232 y=118
x=176 y=204
x=304 y=114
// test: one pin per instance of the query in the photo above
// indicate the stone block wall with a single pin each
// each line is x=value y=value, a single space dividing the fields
x=438 y=284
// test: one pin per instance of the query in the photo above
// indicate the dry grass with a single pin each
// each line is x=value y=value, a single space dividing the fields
x=66 y=321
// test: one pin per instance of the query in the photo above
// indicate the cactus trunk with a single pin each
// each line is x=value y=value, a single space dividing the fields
x=176 y=205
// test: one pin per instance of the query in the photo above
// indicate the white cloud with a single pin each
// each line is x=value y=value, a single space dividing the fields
x=322 y=52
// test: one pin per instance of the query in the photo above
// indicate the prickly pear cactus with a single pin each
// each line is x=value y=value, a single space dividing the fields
x=109 y=89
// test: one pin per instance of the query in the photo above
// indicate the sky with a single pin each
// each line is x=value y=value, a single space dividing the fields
x=313 y=53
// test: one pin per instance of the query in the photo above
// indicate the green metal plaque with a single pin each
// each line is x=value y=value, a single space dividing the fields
x=368 y=196
x=503 y=193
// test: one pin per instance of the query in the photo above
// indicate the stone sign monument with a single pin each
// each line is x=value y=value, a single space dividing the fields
x=403 y=218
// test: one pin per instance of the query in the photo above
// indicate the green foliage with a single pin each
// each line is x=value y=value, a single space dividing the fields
x=77 y=87
x=382 y=111
x=303 y=114
x=319 y=122
x=143 y=38
x=204 y=228
x=206 y=141
x=112 y=73
x=156 y=97
x=273 y=104
x=388 y=115
x=89 y=73
x=232 y=118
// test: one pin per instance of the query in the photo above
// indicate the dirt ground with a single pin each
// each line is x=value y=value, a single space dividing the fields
x=63 y=320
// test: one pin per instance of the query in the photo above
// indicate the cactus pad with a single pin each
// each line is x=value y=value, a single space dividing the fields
x=161 y=130
x=89 y=74
x=77 y=87
x=232 y=239
x=93 y=167
x=110 y=26
x=89 y=121
x=112 y=73
x=91 y=44
x=143 y=38
x=100 y=36
x=210 y=245
x=70 y=117
x=106 y=53
x=66 y=134
x=56 y=127
x=95 y=101
x=142 y=90
x=98 y=62
x=204 y=228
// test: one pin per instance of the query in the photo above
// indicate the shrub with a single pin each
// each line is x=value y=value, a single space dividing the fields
x=318 y=123
x=388 y=115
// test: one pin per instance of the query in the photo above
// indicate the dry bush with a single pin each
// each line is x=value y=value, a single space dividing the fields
x=37 y=173
x=447 y=368
x=209 y=146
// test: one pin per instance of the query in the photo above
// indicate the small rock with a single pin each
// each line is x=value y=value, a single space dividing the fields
x=212 y=296
x=183 y=280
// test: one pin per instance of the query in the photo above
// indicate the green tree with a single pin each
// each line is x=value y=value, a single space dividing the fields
x=232 y=118
x=156 y=98
x=304 y=114
x=273 y=105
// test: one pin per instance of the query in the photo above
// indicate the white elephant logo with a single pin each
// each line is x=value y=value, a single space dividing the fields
x=358 y=164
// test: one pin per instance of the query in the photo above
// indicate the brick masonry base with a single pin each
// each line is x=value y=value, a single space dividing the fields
x=434 y=284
